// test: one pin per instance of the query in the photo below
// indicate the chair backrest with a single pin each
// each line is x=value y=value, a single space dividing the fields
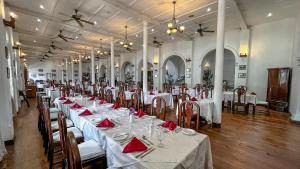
x=49 y=131
x=159 y=107
x=62 y=134
x=239 y=93
x=101 y=94
x=198 y=89
x=135 y=101
x=186 y=113
x=122 y=98
x=73 y=157
x=109 y=96
x=183 y=88
x=205 y=93
x=167 y=88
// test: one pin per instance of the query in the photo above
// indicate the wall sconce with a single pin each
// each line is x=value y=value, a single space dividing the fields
x=206 y=66
x=117 y=65
x=188 y=69
x=155 y=60
x=243 y=52
x=155 y=76
x=188 y=60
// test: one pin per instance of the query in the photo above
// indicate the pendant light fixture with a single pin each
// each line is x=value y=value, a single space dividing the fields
x=126 y=44
x=172 y=25
x=101 y=51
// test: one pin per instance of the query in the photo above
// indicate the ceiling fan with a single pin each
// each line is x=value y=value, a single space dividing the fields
x=202 y=30
x=63 y=37
x=157 y=43
x=129 y=49
x=50 y=52
x=77 y=17
x=54 y=46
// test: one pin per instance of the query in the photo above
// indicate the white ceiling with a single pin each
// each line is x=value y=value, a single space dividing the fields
x=112 y=15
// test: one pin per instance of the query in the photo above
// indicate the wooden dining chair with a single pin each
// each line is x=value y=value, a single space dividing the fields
x=240 y=101
x=159 y=107
x=135 y=101
x=189 y=113
x=109 y=96
x=101 y=94
x=122 y=99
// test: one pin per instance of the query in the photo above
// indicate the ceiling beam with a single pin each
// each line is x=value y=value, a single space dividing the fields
x=243 y=23
x=56 y=20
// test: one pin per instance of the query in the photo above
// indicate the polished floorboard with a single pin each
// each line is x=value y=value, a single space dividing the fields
x=243 y=142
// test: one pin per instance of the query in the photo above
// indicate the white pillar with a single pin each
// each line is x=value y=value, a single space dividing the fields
x=218 y=84
x=145 y=53
x=112 y=63
x=295 y=90
x=67 y=77
x=62 y=76
x=72 y=70
x=93 y=66
x=80 y=70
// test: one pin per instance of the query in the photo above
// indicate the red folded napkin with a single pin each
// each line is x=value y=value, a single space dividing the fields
x=76 y=106
x=106 y=123
x=194 y=99
x=169 y=125
x=202 y=96
x=253 y=93
x=151 y=93
x=132 y=90
x=116 y=106
x=68 y=102
x=102 y=101
x=134 y=145
x=92 y=98
x=62 y=98
x=112 y=88
x=86 y=112
x=140 y=113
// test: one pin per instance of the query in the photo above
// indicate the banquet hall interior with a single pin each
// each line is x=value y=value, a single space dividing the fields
x=150 y=84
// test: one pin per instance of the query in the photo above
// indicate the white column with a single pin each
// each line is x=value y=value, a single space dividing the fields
x=145 y=53
x=72 y=70
x=80 y=70
x=67 y=77
x=295 y=90
x=62 y=75
x=112 y=63
x=218 y=84
x=93 y=66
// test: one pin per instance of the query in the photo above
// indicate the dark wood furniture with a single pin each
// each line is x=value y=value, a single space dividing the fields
x=159 y=107
x=188 y=115
x=278 y=90
x=31 y=91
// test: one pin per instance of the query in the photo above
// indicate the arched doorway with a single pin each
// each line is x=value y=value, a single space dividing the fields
x=208 y=68
x=150 y=73
x=102 y=73
x=127 y=72
x=174 y=70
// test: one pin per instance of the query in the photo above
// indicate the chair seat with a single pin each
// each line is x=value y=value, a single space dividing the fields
x=54 y=124
x=262 y=103
x=90 y=150
x=75 y=130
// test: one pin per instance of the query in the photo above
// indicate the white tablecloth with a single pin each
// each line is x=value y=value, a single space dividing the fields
x=176 y=91
x=174 y=154
x=228 y=96
x=206 y=109
x=167 y=96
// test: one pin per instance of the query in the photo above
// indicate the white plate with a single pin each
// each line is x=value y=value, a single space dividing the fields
x=120 y=136
x=188 y=132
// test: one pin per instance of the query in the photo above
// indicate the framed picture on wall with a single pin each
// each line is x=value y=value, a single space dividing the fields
x=242 y=67
x=41 y=74
x=7 y=72
x=33 y=75
x=6 y=52
x=75 y=71
x=40 y=70
x=53 y=70
x=242 y=75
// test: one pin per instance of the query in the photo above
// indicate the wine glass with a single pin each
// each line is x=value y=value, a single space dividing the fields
x=160 y=135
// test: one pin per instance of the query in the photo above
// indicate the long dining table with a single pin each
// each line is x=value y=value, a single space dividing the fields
x=179 y=150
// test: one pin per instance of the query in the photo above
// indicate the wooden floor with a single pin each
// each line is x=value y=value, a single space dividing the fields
x=243 y=142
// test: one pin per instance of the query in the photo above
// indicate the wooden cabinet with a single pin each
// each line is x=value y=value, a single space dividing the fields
x=279 y=88
x=31 y=91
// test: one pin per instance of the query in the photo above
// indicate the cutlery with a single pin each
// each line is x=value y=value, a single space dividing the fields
x=142 y=153
x=125 y=141
x=147 y=153
x=120 y=135
x=145 y=138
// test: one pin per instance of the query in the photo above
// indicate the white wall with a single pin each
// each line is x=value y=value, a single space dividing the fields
x=271 y=47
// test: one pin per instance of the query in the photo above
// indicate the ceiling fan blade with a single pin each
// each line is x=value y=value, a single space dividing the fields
x=68 y=20
x=63 y=38
x=58 y=48
x=201 y=33
x=68 y=38
x=91 y=23
x=209 y=31
x=79 y=23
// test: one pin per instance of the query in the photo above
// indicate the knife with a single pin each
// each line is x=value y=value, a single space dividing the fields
x=147 y=153
x=137 y=156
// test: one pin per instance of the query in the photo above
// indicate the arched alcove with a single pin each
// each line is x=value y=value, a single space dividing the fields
x=102 y=73
x=127 y=72
x=208 y=67
x=150 y=72
x=173 y=70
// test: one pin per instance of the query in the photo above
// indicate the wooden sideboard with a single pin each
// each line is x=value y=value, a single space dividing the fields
x=278 y=90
